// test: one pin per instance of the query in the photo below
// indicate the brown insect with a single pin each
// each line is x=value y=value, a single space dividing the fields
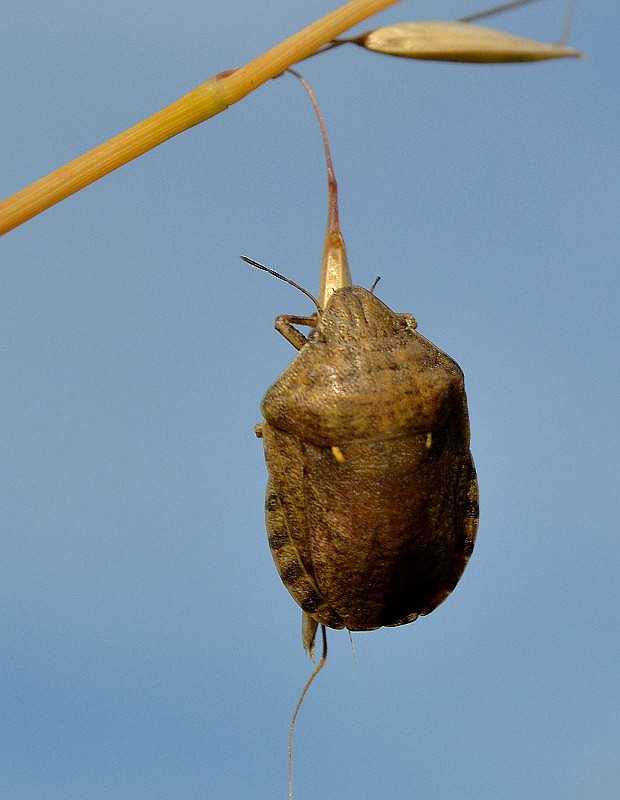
x=372 y=499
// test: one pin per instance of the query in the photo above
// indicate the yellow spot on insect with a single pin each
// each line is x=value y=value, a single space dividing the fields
x=337 y=454
x=429 y=440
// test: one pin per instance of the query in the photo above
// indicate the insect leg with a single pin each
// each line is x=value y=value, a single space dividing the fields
x=284 y=325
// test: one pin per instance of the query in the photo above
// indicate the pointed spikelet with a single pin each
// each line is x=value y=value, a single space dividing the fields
x=459 y=41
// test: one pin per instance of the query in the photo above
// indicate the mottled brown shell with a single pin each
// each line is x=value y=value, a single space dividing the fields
x=372 y=500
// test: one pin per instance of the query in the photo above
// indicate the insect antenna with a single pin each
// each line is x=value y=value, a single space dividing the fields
x=304 y=692
x=253 y=263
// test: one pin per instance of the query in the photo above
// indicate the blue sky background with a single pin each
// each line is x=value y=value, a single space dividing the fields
x=147 y=647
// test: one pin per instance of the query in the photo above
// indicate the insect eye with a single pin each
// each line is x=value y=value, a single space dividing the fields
x=314 y=336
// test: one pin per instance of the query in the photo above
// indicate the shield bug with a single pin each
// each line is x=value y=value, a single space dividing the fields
x=371 y=503
x=372 y=499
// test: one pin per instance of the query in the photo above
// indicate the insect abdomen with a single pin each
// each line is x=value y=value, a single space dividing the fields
x=385 y=528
